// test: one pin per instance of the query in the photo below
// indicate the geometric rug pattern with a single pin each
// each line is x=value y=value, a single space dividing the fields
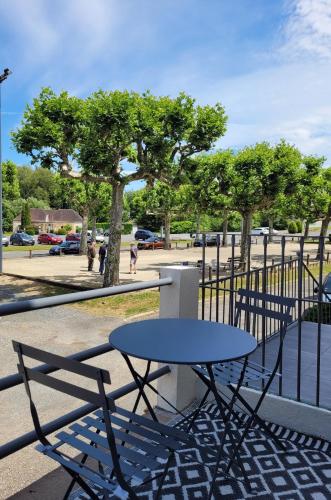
x=302 y=472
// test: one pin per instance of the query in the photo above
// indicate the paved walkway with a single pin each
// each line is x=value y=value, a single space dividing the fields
x=72 y=269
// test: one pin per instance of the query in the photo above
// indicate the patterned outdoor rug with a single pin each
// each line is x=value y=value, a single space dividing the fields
x=303 y=472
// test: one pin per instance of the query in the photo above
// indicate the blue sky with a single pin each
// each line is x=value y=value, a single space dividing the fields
x=266 y=61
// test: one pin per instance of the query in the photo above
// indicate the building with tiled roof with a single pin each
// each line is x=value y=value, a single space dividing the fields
x=51 y=220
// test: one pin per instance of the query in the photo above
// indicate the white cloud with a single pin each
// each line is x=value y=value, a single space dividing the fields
x=308 y=30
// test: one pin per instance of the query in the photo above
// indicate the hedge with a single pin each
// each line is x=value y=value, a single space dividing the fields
x=311 y=314
x=126 y=227
x=183 y=226
x=292 y=227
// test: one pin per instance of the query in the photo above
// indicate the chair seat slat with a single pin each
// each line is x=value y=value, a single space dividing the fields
x=96 y=453
x=82 y=470
x=130 y=454
x=148 y=434
x=150 y=448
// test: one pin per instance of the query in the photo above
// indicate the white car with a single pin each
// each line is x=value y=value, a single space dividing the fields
x=261 y=231
x=100 y=238
x=5 y=241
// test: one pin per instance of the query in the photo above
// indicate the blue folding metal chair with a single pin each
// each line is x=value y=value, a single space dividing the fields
x=244 y=373
x=120 y=449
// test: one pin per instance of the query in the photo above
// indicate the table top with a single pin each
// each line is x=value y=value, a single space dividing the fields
x=182 y=341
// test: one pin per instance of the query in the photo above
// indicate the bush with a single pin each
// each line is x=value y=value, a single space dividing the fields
x=61 y=230
x=31 y=230
x=311 y=314
x=127 y=228
x=67 y=228
x=299 y=226
x=102 y=225
x=292 y=227
x=183 y=226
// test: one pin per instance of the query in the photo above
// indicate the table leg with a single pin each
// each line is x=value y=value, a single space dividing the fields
x=227 y=430
x=140 y=384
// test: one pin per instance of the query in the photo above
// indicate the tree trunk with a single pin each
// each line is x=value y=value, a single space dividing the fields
x=225 y=228
x=325 y=225
x=94 y=227
x=167 y=219
x=245 y=236
x=306 y=233
x=83 y=234
x=271 y=229
x=198 y=224
x=324 y=229
x=111 y=276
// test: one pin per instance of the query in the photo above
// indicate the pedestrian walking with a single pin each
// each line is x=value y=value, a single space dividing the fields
x=102 y=257
x=133 y=257
x=91 y=252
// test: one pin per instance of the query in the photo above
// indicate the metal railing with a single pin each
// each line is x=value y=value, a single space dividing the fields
x=299 y=275
x=15 y=379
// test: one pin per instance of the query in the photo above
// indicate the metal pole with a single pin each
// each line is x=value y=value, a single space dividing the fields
x=3 y=77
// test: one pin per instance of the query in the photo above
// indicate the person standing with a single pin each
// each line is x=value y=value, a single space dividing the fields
x=102 y=257
x=91 y=252
x=133 y=257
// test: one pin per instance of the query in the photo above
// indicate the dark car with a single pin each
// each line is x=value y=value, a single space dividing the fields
x=143 y=234
x=49 y=239
x=151 y=243
x=66 y=247
x=21 y=239
x=326 y=288
x=211 y=240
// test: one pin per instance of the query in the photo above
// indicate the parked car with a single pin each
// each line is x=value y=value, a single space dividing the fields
x=5 y=241
x=326 y=287
x=76 y=237
x=143 y=234
x=211 y=240
x=49 y=239
x=73 y=237
x=261 y=231
x=151 y=243
x=21 y=239
x=66 y=247
x=100 y=238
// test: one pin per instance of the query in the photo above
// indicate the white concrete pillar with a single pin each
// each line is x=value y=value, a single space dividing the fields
x=179 y=300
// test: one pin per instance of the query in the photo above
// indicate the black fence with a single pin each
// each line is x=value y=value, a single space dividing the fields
x=287 y=267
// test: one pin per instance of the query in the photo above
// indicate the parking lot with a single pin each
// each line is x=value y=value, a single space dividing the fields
x=72 y=269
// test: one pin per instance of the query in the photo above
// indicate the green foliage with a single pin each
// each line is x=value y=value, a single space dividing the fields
x=184 y=226
x=10 y=181
x=25 y=215
x=67 y=228
x=61 y=231
x=127 y=228
x=32 y=230
x=102 y=225
x=299 y=226
x=312 y=314
x=292 y=227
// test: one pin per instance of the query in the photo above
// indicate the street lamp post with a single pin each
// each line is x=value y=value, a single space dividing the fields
x=3 y=77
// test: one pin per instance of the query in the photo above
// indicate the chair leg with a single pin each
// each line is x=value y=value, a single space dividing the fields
x=82 y=484
x=260 y=421
x=164 y=475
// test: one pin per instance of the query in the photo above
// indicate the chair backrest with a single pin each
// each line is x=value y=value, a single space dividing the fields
x=98 y=399
x=265 y=305
x=70 y=365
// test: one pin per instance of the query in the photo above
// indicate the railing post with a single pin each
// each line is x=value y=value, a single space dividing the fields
x=179 y=300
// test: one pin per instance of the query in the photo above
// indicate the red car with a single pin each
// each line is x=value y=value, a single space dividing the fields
x=73 y=237
x=49 y=239
x=151 y=243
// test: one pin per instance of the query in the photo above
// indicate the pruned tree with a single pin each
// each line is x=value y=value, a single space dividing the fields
x=91 y=139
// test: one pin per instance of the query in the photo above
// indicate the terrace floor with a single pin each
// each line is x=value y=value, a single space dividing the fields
x=309 y=347
x=303 y=472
